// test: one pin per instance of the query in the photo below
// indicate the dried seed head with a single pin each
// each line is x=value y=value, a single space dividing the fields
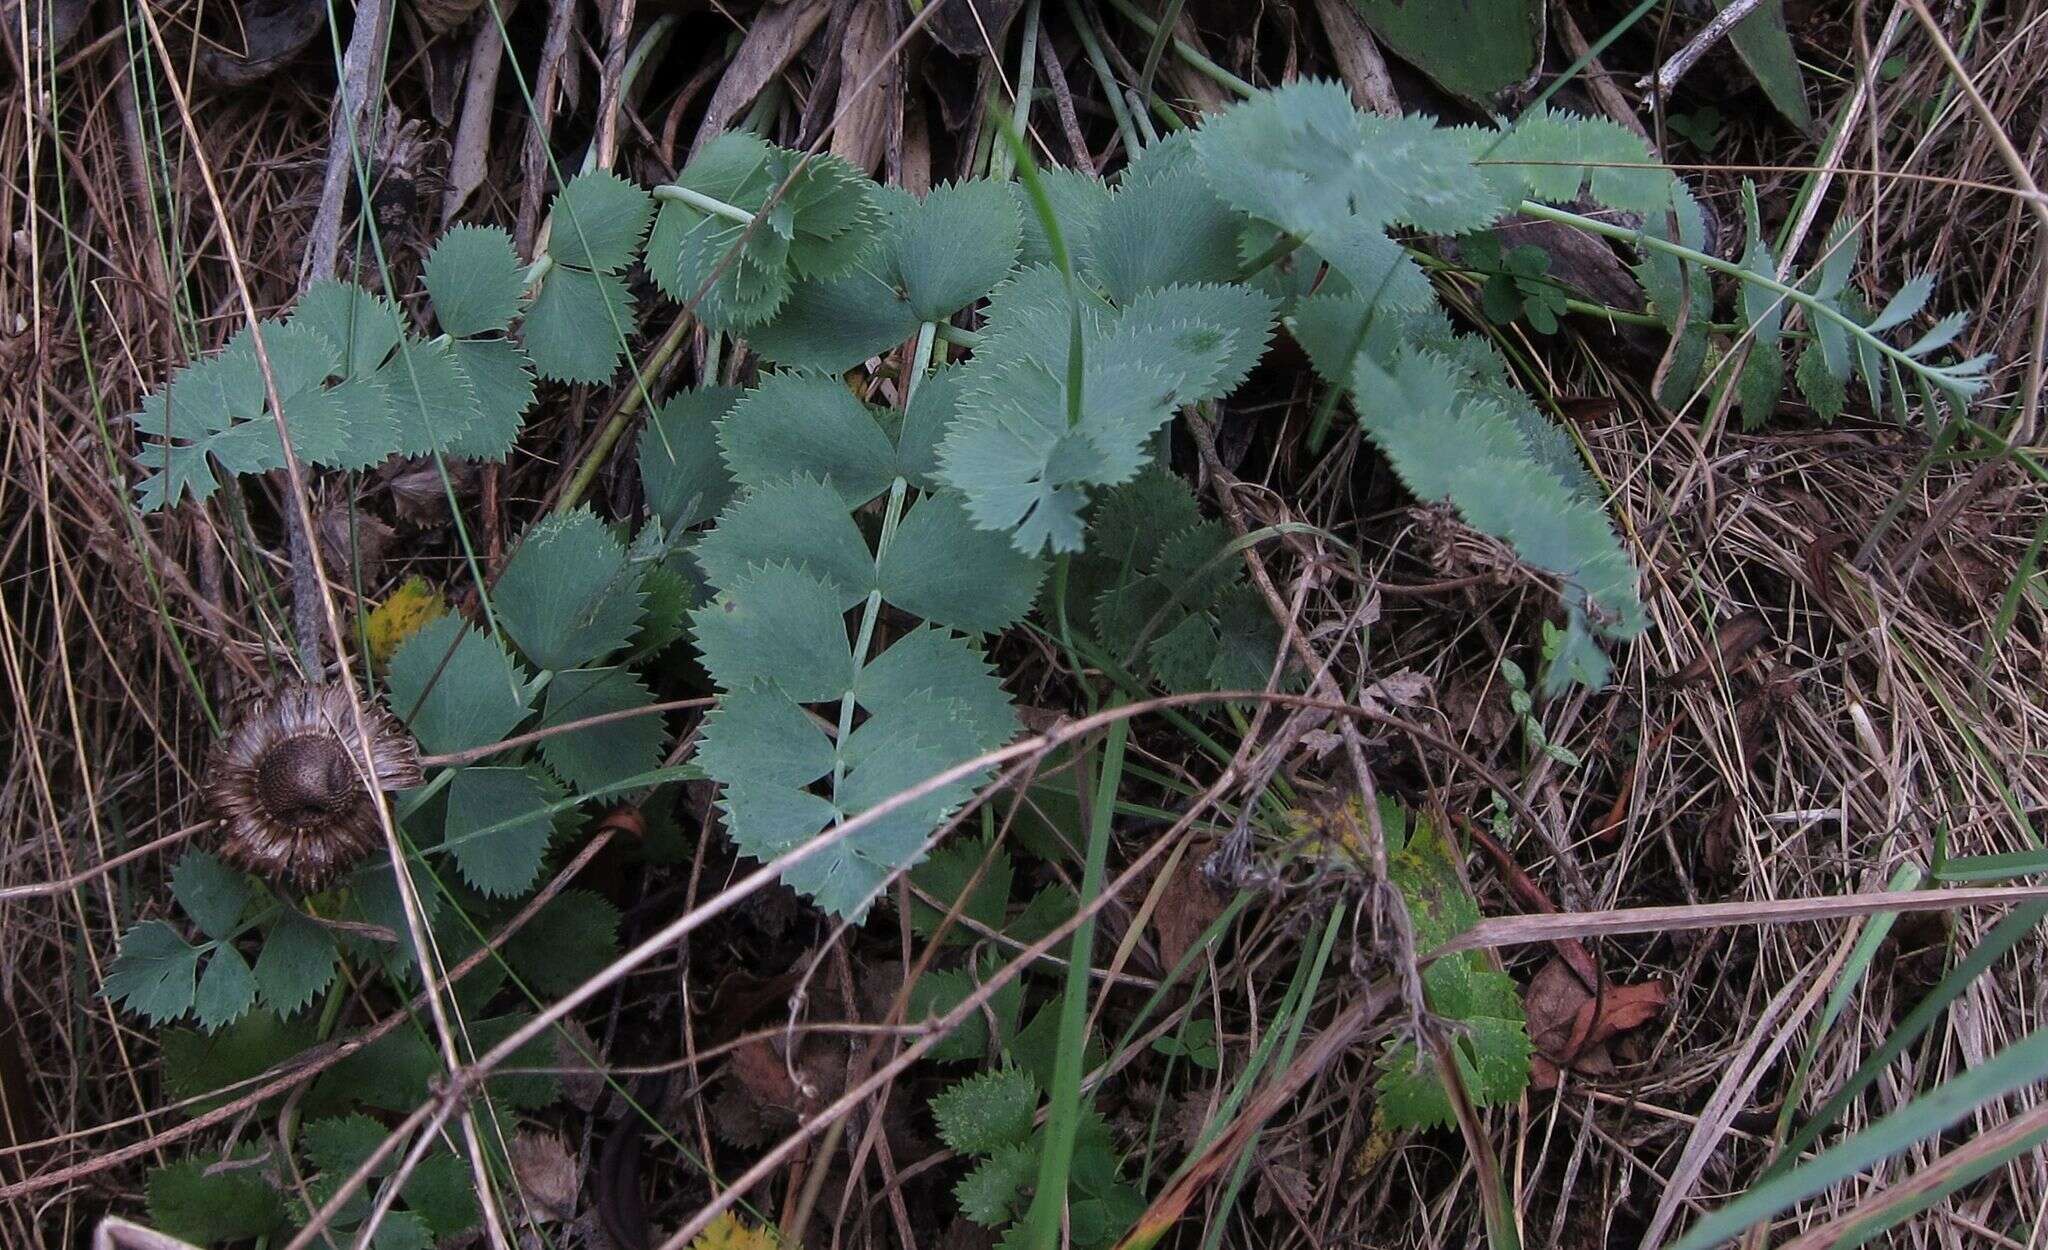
x=287 y=784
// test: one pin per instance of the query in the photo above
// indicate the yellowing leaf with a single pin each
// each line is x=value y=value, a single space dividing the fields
x=729 y=1232
x=402 y=614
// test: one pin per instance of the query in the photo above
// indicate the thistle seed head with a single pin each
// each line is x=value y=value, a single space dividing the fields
x=288 y=787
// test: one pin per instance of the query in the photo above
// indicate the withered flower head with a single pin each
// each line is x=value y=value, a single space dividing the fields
x=287 y=784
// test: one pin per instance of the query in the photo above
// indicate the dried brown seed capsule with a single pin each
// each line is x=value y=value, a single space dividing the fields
x=287 y=784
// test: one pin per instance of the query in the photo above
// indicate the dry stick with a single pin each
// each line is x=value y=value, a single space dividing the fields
x=1712 y=33
x=453 y=759
x=299 y=1069
x=1521 y=930
x=347 y=135
x=64 y=885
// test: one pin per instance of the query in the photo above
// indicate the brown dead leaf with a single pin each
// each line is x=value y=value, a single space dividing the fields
x=1736 y=638
x=1571 y=1026
x=1187 y=908
x=1400 y=690
x=777 y=34
x=865 y=118
x=762 y=1073
x=547 y=1174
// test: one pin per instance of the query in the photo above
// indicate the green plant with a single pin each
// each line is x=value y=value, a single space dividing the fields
x=988 y=1118
x=857 y=555
x=1518 y=284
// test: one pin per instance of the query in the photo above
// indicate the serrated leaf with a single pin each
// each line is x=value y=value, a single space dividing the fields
x=781 y=624
x=940 y=567
x=681 y=472
x=1562 y=157
x=833 y=324
x=600 y=755
x=931 y=411
x=501 y=376
x=298 y=962
x=800 y=520
x=762 y=735
x=455 y=687
x=198 y=1202
x=1078 y=203
x=498 y=827
x=567 y=596
x=442 y=1195
x=196 y=1064
x=1305 y=159
x=475 y=280
x=573 y=937
x=952 y=247
x=598 y=220
x=929 y=661
x=1492 y=1050
x=946 y=877
x=362 y=328
x=1168 y=324
x=795 y=423
x=1022 y=467
x=434 y=401
x=341 y=1143
x=577 y=326
x=213 y=894
x=936 y=993
x=155 y=973
x=1449 y=442
x=987 y=1111
x=1164 y=224
x=227 y=989
x=1821 y=387
x=1908 y=300
x=993 y=1194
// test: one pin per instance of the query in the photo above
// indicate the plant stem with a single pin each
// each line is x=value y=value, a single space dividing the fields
x=586 y=472
x=1112 y=95
x=1814 y=305
x=703 y=203
x=870 y=613
x=1041 y=1224
x=1201 y=64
